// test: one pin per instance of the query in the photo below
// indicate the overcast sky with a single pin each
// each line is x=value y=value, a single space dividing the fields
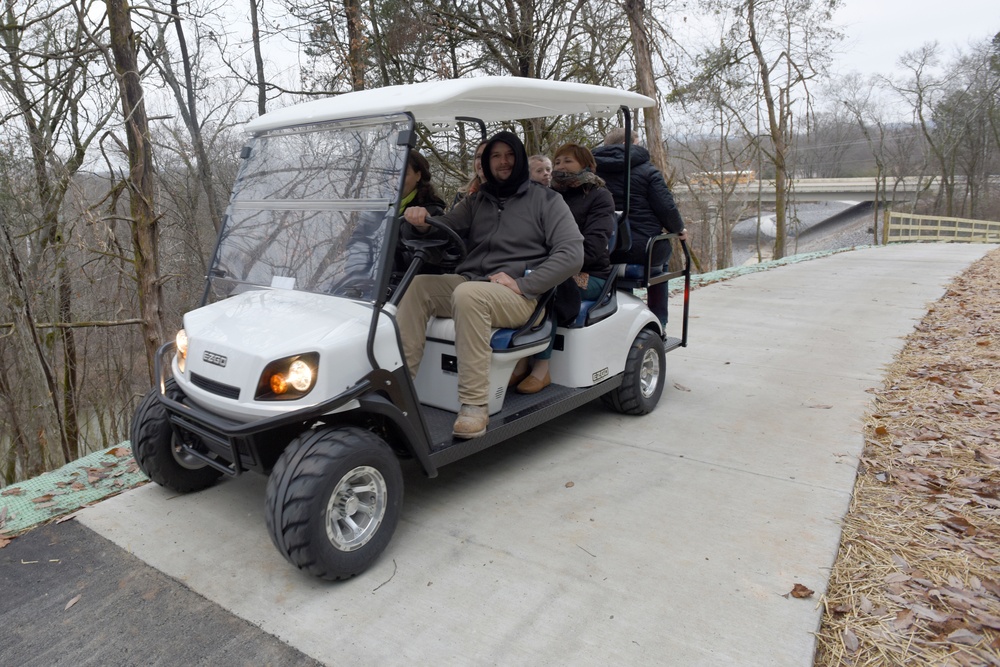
x=878 y=32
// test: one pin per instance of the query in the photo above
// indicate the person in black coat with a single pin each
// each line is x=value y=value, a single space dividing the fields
x=651 y=207
x=593 y=209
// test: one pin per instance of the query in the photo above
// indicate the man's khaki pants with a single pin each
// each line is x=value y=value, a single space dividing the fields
x=477 y=307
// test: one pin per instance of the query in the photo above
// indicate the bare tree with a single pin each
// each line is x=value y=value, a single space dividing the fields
x=120 y=53
x=48 y=72
x=187 y=98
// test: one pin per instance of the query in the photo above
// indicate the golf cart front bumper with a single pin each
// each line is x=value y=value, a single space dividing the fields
x=234 y=447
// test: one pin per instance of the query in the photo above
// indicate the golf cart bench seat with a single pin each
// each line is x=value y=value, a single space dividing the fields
x=443 y=329
x=537 y=330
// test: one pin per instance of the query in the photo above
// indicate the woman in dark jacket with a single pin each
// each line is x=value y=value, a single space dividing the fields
x=417 y=191
x=651 y=207
x=593 y=208
x=417 y=187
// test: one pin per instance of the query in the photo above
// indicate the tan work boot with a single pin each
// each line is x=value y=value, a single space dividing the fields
x=472 y=421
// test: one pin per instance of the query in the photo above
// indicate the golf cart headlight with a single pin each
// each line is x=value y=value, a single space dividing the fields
x=300 y=376
x=181 y=339
x=289 y=378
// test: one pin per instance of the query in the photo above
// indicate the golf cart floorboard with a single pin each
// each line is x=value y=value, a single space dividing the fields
x=520 y=413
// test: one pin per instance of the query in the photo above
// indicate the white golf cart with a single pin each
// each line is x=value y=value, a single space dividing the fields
x=292 y=366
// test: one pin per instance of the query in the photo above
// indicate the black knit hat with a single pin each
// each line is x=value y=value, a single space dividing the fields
x=518 y=176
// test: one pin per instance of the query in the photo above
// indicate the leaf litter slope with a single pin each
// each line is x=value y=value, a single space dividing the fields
x=917 y=577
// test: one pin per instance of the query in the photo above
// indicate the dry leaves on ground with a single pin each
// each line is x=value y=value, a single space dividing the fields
x=917 y=578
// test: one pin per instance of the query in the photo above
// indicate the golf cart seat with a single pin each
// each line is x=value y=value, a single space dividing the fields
x=595 y=310
x=437 y=377
x=537 y=330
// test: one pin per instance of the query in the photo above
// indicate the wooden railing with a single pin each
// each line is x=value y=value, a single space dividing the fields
x=905 y=227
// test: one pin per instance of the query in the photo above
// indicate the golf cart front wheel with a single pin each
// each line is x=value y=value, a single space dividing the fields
x=333 y=501
x=642 y=381
x=157 y=449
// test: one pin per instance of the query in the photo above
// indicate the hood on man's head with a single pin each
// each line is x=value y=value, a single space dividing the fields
x=520 y=172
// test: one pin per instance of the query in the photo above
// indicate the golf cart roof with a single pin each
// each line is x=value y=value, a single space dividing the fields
x=489 y=98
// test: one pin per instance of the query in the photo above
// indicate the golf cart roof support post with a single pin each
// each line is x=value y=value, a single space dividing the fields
x=407 y=139
x=627 y=116
x=478 y=122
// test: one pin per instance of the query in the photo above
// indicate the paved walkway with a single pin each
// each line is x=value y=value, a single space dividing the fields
x=599 y=538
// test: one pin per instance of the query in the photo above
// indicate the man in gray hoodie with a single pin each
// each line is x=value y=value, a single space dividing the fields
x=512 y=226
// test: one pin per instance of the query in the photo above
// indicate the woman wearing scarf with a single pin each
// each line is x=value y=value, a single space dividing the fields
x=593 y=208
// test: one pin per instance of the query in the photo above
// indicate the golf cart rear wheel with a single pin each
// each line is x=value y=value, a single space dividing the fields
x=333 y=501
x=157 y=450
x=642 y=382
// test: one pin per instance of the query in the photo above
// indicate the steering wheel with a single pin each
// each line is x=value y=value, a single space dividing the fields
x=454 y=246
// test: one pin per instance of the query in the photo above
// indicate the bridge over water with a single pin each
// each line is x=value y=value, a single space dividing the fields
x=826 y=189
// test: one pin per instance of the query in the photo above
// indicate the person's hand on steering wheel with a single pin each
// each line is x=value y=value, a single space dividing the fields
x=417 y=216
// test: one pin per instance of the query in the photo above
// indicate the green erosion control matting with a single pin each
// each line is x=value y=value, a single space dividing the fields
x=75 y=485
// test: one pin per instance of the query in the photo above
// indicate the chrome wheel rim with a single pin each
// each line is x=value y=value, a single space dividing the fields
x=649 y=373
x=356 y=508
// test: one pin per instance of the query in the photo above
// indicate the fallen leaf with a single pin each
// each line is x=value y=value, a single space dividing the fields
x=821 y=407
x=119 y=452
x=569 y=485
x=881 y=430
x=904 y=619
x=851 y=642
x=16 y=491
x=928 y=613
x=989 y=620
x=961 y=525
x=78 y=486
x=989 y=456
x=43 y=498
x=72 y=602
x=680 y=387
x=964 y=636
x=800 y=591
x=4 y=541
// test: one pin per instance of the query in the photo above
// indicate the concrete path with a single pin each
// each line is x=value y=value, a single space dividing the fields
x=599 y=538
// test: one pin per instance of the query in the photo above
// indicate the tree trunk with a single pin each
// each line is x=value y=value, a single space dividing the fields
x=140 y=180
x=636 y=11
x=32 y=353
x=356 y=44
x=188 y=106
x=776 y=117
x=258 y=59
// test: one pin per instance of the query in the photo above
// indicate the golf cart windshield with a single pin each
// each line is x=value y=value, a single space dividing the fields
x=312 y=209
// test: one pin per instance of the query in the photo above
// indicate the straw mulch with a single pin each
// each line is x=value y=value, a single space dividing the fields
x=917 y=578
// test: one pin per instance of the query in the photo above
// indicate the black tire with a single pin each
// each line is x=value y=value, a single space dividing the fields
x=157 y=452
x=317 y=518
x=642 y=382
